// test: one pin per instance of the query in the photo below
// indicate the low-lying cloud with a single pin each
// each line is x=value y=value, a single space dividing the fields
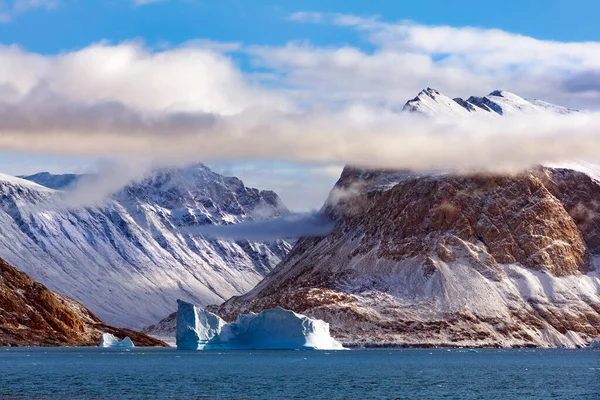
x=289 y=226
x=359 y=136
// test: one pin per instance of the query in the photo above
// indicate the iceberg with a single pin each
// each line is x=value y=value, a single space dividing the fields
x=276 y=328
x=109 y=340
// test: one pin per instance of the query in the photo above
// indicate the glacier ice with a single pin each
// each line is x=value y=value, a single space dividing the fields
x=109 y=340
x=276 y=328
x=196 y=327
x=595 y=343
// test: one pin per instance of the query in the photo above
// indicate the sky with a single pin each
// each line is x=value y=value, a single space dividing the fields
x=80 y=77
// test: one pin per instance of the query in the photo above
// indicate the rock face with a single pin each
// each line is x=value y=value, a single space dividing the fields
x=129 y=259
x=33 y=315
x=482 y=260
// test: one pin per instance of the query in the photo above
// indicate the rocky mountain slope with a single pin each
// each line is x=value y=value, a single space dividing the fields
x=32 y=315
x=449 y=260
x=128 y=259
x=442 y=259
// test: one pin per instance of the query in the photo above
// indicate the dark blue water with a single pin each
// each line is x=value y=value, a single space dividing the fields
x=357 y=374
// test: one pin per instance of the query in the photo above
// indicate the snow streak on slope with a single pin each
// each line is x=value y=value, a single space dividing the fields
x=127 y=259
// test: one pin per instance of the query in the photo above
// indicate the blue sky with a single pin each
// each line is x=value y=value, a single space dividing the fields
x=73 y=24
x=119 y=77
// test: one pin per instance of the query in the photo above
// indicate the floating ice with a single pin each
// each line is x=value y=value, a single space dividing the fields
x=109 y=340
x=276 y=328
x=595 y=343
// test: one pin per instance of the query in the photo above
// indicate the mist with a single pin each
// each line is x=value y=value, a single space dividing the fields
x=289 y=226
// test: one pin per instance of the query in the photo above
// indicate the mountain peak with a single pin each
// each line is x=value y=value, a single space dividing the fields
x=431 y=102
x=497 y=93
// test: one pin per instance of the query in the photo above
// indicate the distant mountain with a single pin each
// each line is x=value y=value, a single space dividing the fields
x=52 y=181
x=443 y=259
x=128 y=260
x=498 y=103
x=32 y=315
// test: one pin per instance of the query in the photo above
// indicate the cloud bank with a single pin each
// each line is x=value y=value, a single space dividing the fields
x=319 y=106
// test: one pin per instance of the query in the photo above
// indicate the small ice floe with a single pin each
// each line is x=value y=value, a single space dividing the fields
x=109 y=340
x=198 y=329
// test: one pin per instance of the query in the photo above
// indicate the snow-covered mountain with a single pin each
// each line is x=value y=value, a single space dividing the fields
x=443 y=259
x=53 y=181
x=498 y=103
x=127 y=260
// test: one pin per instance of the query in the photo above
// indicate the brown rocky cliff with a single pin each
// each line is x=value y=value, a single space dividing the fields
x=33 y=315
x=427 y=251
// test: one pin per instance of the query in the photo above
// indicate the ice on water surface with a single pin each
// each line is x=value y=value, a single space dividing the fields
x=276 y=328
x=109 y=340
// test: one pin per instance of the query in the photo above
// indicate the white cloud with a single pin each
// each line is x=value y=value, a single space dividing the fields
x=307 y=17
x=407 y=57
x=186 y=79
x=193 y=103
x=10 y=9
x=317 y=106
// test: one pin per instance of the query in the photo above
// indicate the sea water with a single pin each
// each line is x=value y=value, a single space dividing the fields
x=143 y=373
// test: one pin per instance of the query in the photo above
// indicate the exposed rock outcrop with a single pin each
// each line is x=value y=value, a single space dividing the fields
x=33 y=315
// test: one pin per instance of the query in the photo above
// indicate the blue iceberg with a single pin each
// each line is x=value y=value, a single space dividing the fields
x=276 y=328
x=109 y=340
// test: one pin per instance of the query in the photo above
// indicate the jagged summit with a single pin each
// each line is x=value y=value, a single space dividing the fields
x=498 y=103
x=221 y=198
x=431 y=102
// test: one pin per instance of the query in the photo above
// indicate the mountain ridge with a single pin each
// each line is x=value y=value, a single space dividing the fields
x=133 y=248
x=498 y=103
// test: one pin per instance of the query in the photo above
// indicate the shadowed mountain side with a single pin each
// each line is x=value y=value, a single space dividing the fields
x=33 y=315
